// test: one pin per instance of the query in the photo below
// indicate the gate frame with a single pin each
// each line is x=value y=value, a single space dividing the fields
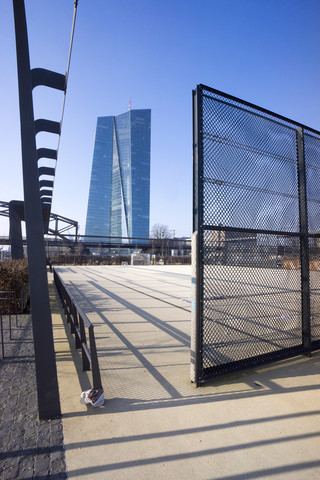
x=198 y=228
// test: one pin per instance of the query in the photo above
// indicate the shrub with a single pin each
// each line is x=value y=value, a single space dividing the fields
x=13 y=277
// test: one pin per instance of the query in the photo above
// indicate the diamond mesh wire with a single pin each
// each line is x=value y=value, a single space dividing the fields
x=248 y=155
x=251 y=300
x=252 y=303
x=314 y=248
x=312 y=160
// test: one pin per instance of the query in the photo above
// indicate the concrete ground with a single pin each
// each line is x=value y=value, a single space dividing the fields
x=29 y=448
x=259 y=424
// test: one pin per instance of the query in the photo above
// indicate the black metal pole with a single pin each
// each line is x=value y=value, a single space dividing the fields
x=47 y=383
x=304 y=244
x=96 y=378
x=200 y=272
x=16 y=215
x=197 y=237
x=2 y=338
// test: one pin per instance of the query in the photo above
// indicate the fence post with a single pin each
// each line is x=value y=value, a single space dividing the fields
x=96 y=378
x=304 y=243
x=76 y=324
x=2 y=338
x=85 y=360
x=196 y=357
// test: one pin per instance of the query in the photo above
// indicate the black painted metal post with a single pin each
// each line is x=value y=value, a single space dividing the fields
x=2 y=338
x=200 y=272
x=16 y=215
x=47 y=384
x=96 y=378
x=304 y=243
x=197 y=237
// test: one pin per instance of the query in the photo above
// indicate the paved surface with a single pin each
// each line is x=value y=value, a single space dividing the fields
x=259 y=424
x=29 y=449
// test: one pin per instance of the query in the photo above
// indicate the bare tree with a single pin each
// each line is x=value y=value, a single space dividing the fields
x=160 y=231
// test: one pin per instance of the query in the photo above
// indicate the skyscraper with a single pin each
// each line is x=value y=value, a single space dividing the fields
x=119 y=196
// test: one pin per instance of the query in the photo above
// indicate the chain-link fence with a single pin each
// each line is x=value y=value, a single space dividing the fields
x=257 y=218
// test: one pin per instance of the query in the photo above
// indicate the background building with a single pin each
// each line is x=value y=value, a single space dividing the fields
x=119 y=196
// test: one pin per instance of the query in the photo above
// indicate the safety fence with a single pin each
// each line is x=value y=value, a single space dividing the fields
x=80 y=325
x=256 y=252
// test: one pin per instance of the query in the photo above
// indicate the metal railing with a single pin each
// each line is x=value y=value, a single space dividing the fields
x=8 y=296
x=79 y=322
x=2 y=334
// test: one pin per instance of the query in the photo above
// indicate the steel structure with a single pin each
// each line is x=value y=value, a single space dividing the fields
x=256 y=242
x=60 y=232
x=54 y=226
x=38 y=181
x=4 y=209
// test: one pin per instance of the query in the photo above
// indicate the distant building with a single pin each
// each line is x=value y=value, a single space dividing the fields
x=119 y=196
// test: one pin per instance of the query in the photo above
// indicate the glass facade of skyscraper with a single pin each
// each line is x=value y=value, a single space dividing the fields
x=119 y=196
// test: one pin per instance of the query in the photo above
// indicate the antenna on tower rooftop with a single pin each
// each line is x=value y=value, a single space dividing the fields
x=129 y=106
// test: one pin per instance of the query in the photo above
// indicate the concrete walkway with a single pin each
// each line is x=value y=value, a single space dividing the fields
x=260 y=424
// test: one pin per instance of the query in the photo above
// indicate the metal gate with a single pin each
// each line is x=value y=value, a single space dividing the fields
x=256 y=252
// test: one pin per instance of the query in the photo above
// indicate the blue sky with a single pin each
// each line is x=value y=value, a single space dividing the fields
x=156 y=52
